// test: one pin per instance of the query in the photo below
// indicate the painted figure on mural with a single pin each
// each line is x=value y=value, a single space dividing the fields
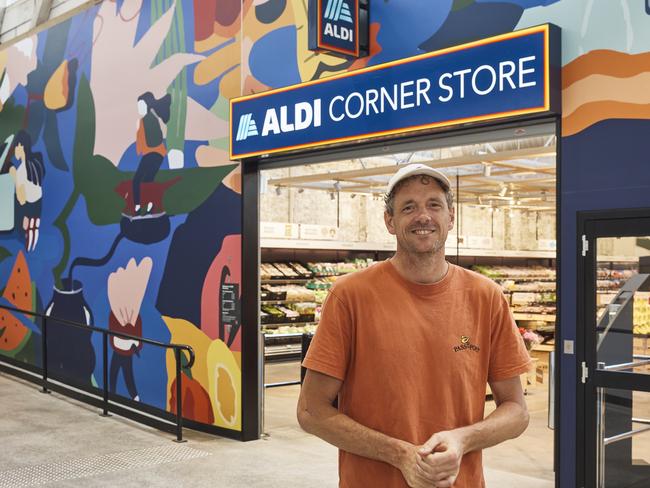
x=126 y=289
x=27 y=174
x=150 y=144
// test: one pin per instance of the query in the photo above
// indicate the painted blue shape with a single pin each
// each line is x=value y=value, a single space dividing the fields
x=522 y=3
x=405 y=24
x=206 y=95
x=190 y=258
x=476 y=21
x=273 y=58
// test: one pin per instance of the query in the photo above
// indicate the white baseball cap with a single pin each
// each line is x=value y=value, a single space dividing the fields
x=417 y=169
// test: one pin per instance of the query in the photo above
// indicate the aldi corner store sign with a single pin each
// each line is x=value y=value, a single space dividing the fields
x=513 y=74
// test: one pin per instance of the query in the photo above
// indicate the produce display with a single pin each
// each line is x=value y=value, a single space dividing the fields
x=642 y=313
x=529 y=289
x=292 y=295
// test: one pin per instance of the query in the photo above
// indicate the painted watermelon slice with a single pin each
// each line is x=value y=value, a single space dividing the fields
x=13 y=334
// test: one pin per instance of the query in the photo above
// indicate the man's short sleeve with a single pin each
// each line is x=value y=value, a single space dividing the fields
x=329 y=351
x=508 y=354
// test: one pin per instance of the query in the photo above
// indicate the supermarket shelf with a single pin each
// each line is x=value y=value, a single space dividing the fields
x=285 y=351
x=533 y=316
x=330 y=245
x=297 y=334
x=544 y=347
x=617 y=259
x=280 y=302
x=281 y=281
x=390 y=246
x=311 y=322
x=544 y=279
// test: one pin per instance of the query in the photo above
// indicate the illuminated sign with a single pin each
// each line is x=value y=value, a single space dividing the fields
x=339 y=26
x=509 y=75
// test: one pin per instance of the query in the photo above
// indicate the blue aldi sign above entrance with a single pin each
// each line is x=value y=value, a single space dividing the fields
x=511 y=75
x=339 y=26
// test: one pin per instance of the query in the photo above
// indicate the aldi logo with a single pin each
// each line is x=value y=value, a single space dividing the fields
x=338 y=10
x=247 y=127
x=339 y=27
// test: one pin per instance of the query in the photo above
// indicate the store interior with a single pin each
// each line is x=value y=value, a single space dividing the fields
x=321 y=221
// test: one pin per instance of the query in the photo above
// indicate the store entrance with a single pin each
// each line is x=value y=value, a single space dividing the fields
x=323 y=219
x=616 y=320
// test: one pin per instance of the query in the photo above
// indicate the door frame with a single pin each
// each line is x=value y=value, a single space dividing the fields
x=592 y=225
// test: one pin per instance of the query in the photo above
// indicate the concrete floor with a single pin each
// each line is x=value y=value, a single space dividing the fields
x=40 y=448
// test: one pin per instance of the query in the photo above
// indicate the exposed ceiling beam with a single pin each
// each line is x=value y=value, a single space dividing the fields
x=41 y=12
x=532 y=152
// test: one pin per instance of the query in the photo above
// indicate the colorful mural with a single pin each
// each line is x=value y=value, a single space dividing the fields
x=120 y=207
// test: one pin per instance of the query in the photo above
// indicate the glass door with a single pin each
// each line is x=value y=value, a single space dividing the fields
x=616 y=371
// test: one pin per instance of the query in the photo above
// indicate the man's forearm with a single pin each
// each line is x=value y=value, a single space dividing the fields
x=508 y=421
x=351 y=436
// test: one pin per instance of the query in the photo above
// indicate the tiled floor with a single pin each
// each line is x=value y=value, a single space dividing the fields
x=52 y=441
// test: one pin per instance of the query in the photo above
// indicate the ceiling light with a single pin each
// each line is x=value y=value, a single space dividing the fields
x=487 y=170
x=503 y=190
x=511 y=214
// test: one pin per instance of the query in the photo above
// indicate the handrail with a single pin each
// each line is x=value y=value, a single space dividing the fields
x=625 y=435
x=623 y=366
x=105 y=334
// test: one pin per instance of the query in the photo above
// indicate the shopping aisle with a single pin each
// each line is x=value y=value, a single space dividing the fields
x=57 y=439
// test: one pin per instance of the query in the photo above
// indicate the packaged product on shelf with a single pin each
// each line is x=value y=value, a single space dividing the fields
x=301 y=270
x=268 y=292
x=290 y=315
x=270 y=271
x=320 y=296
x=275 y=315
x=642 y=313
x=306 y=310
x=286 y=270
x=264 y=317
x=524 y=298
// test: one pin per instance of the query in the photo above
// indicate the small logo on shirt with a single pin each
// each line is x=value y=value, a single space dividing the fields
x=466 y=344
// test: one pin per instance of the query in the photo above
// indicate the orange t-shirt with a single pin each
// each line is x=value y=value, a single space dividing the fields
x=414 y=359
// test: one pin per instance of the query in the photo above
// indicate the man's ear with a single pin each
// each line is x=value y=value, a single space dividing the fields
x=388 y=220
x=452 y=218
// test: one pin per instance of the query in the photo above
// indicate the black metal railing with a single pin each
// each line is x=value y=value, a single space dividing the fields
x=177 y=348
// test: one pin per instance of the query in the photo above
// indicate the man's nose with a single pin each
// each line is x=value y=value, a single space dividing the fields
x=423 y=216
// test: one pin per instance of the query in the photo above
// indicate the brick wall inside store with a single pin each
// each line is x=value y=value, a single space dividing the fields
x=360 y=218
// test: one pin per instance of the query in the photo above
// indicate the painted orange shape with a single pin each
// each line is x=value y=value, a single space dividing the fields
x=18 y=292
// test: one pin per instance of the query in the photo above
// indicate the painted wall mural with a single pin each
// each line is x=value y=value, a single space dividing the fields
x=120 y=207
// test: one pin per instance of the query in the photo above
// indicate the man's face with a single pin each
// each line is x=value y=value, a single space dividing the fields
x=421 y=218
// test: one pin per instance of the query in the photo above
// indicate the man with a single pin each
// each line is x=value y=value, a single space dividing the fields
x=408 y=346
